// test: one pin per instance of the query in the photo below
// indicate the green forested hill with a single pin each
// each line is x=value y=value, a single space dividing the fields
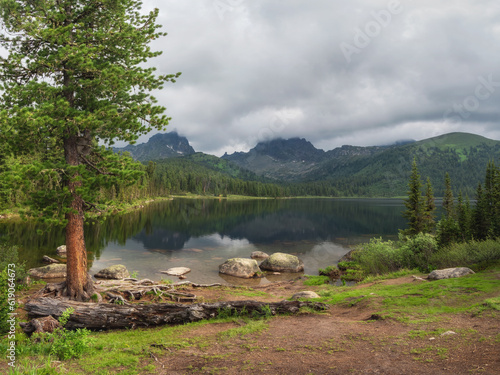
x=386 y=172
x=347 y=171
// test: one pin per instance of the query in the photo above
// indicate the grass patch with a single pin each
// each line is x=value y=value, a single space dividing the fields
x=247 y=293
x=388 y=276
x=124 y=352
x=251 y=326
x=315 y=280
x=415 y=301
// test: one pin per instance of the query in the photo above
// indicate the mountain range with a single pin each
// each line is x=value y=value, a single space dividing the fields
x=159 y=146
x=365 y=171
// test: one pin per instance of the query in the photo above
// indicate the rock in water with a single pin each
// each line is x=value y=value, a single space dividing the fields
x=116 y=272
x=61 y=251
x=52 y=271
x=48 y=259
x=281 y=262
x=240 y=267
x=449 y=273
x=176 y=271
x=259 y=255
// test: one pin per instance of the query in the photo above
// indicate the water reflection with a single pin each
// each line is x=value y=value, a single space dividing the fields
x=201 y=234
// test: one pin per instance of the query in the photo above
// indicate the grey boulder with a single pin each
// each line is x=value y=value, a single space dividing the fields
x=449 y=273
x=240 y=267
x=52 y=271
x=116 y=272
x=281 y=262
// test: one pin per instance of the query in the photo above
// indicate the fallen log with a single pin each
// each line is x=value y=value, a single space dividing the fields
x=104 y=316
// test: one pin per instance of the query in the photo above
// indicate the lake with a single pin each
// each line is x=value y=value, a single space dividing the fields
x=202 y=234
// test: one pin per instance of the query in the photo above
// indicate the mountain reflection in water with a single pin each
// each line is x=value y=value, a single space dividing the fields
x=201 y=234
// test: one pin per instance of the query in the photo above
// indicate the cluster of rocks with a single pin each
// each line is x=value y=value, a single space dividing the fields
x=248 y=268
x=237 y=267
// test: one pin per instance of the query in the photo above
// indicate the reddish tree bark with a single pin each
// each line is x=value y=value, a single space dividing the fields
x=78 y=283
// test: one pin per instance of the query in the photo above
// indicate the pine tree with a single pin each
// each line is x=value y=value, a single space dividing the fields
x=448 y=230
x=464 y=214
x=429 y=208
x=480 y=215
x=73 y=76
x=448 y=200
x=414 y=203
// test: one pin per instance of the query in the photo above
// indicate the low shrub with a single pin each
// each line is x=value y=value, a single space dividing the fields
x=378 y=257
x=66 y=344
x=467 y=254
x=417 y=251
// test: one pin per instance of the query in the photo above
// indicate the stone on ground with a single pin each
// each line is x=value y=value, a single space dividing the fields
x=305 y=294
x=116 y=272
x=52 y=271
x=449 y=273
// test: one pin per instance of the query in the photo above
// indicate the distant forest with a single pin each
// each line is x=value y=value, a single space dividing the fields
x=382 y=175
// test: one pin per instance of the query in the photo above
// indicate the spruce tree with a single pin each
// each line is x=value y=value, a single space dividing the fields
x=480 y=215
x=74 y=79
x=429 y=208
x=464 y=215
x=448 y=230
x=414 y=203
x=448 y=200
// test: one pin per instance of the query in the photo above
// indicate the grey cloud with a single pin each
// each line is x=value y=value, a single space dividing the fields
x=264 y=58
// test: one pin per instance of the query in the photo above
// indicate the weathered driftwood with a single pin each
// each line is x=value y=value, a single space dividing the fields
x=103 y=316
x=130 y=288
x=47 y=259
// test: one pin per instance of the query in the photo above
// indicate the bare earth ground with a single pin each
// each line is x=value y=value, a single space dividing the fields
x=341 y=341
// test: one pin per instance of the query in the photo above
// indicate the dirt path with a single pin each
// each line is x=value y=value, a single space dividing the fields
x=341 y=341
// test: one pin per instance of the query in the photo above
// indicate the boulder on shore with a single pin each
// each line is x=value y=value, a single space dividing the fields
x=259 y=255
x=52 y=271
x=116 y=272
x=281 y=262
x=305 y=294
x=449 y=273
x=240 y=267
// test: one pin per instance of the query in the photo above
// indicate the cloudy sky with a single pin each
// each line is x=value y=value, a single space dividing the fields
x=359 y=72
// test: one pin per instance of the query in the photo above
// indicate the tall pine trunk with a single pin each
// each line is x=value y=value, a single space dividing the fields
x=78 y=283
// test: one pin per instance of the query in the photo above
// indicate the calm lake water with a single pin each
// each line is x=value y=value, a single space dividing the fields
x=202 y=234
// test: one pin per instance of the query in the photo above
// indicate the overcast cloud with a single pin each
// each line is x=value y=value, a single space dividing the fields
x=359 y=72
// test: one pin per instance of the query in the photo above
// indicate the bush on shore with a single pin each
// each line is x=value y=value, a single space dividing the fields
x=423 y=253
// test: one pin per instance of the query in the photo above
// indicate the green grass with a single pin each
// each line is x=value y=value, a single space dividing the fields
x=128 y=352
x=388 y=276
x=247 y=293
x=315 y=280
x=123 y=352
x=423 y=300
x=252 y=326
